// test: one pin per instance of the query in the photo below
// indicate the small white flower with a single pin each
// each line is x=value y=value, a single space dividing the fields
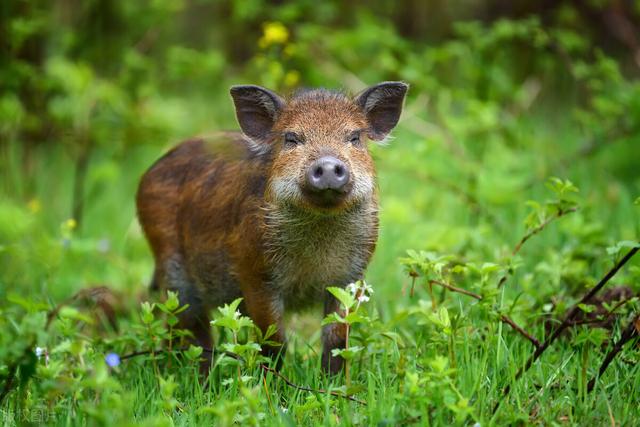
x=39 y=352
x=353 y=288
x=361 y=290
x=284 y=410
x=363 y=298
x=237 y=314
x=366 y=288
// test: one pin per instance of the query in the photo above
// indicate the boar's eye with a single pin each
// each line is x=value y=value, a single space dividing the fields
x=354 y=138
x=291 y=139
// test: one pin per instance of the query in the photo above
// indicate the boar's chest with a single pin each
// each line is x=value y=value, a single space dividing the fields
x=307 y=253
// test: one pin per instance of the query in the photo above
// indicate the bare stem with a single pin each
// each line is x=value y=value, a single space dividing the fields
x=532 y=233
x=541 y=227
x=455 y=289
x=506 y=319
x=346 y=347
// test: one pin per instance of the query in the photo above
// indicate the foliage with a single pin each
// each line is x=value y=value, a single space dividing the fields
x=481 y=215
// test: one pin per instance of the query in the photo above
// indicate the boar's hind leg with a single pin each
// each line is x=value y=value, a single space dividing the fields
x=333 y=336
x=196 y=317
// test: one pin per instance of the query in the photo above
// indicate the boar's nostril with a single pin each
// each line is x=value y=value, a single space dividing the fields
x=327 y=173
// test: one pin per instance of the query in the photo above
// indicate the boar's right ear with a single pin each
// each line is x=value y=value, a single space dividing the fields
x=256 y=110
x=382 y=104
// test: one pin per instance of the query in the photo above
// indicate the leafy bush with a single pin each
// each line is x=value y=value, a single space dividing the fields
x=481 y=254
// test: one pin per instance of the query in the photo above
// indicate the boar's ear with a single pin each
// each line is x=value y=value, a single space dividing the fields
x=382 y=104
x=256 y=110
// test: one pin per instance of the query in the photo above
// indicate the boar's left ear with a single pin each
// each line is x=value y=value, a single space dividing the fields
x=382 y=104
x=256 y=110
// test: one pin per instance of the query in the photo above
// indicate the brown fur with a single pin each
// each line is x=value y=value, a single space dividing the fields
x=229 y=217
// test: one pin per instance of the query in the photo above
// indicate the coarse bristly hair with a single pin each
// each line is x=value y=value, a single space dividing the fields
x=239 y=216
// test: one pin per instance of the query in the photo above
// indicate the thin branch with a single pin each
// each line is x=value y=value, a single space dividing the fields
x=302 y=388
x=532 y=233
x=631 y=332
x=566 y=322
x=455 y=289
x=520 y=330
x=413 y=276
x=541 y=227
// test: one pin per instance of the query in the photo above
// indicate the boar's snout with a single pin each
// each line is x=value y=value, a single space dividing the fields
x=328 y=173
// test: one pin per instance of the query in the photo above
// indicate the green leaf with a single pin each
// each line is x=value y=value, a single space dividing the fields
x=561 y=187
x=172 y=302
x=271 y=330
x=489 y=267
x=356 y=317
x=587 y=308
x=615 y=249
x=172 y=320
x=67 y=312
x=346 y=299
x=241 y=349
x=230 y=309
x=439 y=364
x=227 y=322
x=193 y=352
x=333 y=318
x=441 y=318
x=348 y=353
x=147 y=312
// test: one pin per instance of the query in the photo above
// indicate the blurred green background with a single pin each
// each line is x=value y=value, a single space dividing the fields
x=503 y=95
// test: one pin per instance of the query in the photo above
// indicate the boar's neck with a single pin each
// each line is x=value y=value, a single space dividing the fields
x=307 y=252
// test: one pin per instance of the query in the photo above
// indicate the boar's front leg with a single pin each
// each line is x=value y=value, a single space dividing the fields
x=265 y=310
x=334 y=335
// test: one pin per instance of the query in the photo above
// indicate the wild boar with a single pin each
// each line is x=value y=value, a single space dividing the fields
x=273 y=214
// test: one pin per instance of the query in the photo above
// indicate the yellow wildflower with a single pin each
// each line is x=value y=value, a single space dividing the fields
x=34 y=205
x=291 y=78
x=273 y=33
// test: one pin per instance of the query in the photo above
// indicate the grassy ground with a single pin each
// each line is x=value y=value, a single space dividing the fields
x=420 y=364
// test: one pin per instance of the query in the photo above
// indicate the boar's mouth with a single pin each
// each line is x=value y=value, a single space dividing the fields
x=327 y=198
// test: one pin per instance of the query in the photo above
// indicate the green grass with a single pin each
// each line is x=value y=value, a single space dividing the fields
x=428 y=376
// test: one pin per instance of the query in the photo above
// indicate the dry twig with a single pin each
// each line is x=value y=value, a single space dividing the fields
x=520 y=330
x=455 y=289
